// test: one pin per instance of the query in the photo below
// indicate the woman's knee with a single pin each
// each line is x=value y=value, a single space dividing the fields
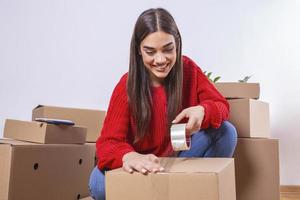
x=229 y=130
x=227 y=139
x=96 y=184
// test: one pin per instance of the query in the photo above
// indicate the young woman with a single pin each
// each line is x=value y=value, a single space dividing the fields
x=162 y=87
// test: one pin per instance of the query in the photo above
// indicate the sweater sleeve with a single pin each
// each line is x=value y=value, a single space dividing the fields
x=215 y=105
x=112 y=145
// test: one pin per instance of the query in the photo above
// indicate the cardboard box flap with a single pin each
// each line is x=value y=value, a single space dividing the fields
x=60 y=107
x=12 y=142
x=191 y=165
x=194 y=165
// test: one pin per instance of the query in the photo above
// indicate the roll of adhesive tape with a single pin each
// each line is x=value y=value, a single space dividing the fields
x=180 y=139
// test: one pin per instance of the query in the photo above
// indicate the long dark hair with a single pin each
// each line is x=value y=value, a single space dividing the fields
x=139 y=83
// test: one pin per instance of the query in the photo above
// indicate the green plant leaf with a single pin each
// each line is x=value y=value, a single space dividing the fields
x=209 y=74
x=216 y=79
x=245 y=79
x=210 y=78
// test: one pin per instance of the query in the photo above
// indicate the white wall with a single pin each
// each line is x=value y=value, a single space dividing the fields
x=72 y=53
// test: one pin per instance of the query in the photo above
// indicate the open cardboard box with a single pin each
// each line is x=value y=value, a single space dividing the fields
x=236 y=90
x=184 y=178
x=91 y=119
x=42 y=132
x=44 y=171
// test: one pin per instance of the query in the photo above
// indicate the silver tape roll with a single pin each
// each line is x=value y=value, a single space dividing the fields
x=180 y=139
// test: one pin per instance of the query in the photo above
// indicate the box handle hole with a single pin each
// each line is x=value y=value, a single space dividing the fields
x=35 y=166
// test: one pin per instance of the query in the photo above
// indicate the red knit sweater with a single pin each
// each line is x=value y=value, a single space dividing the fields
x=118 y=130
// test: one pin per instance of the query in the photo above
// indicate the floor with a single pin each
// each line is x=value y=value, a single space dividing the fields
x=290 y=193
x=283 y=197
x=291 y=197
x=294 y=196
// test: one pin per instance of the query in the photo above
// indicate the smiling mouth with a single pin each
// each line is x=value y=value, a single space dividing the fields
x=161 y=69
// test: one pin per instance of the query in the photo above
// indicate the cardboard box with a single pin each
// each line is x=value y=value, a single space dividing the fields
x=44 y=171
x=41 y=132
x=184 y=178
x=92 y=119
x=257 y=169
x=87 y=198
x=236 y=90
x=250 y=117
x=93 y=145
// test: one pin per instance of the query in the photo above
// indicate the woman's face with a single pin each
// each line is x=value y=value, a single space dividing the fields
x=158 y=52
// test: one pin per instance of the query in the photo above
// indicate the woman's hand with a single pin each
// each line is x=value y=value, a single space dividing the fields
x=141 y=163
x=195 y=115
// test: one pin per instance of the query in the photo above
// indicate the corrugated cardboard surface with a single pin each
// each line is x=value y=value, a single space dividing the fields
x=235 y=90
x=190 y=179
x=93 y=145
x=87 y=198
x=260 y=118
x=5 y=164
x=250 y=117
x=45 y=171
x=92 y=119
x=257 y=169
x=44 y=133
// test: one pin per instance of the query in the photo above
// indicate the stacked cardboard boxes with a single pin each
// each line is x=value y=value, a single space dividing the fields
x=256 y=155
x=91 y=119
x=47 y=161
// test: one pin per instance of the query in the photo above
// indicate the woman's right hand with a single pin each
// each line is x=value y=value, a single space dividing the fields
x=141 y=163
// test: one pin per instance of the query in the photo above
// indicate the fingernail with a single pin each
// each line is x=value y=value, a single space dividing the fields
x=143 y=170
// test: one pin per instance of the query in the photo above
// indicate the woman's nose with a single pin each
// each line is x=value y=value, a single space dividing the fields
x=159 y=59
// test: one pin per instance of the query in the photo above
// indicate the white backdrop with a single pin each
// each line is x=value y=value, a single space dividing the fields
x=72 y=53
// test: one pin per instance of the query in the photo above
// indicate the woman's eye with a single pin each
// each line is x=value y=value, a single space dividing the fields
x=169 y=50
x=166 y=51
x=150 y=52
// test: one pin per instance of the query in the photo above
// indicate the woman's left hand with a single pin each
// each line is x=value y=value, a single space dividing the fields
x=195 y=114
